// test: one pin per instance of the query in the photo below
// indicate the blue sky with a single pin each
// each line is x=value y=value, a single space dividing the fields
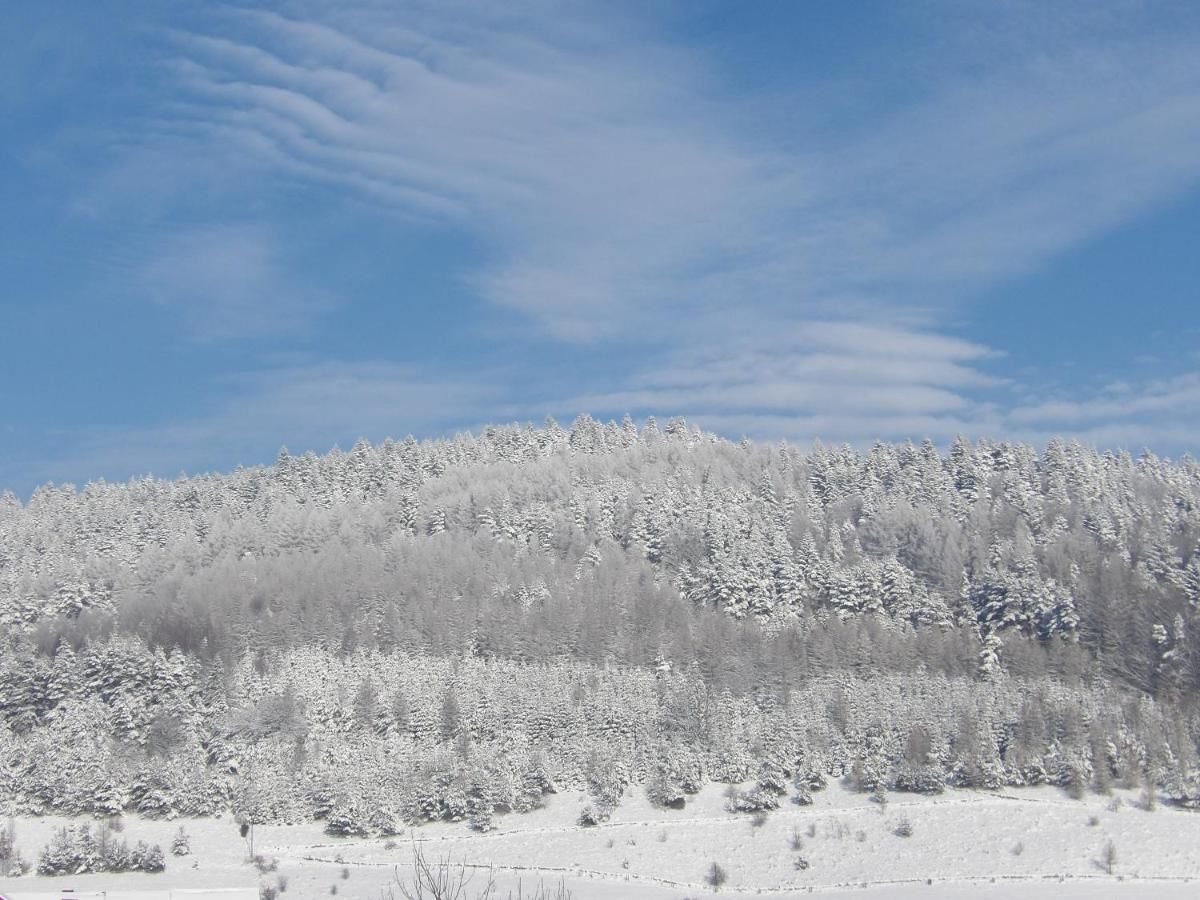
x=228 y=228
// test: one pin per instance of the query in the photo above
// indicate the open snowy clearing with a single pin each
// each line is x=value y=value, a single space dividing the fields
x=1030 y=842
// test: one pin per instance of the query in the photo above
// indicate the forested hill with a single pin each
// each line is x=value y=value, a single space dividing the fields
x=746 y=571
x=601 y=541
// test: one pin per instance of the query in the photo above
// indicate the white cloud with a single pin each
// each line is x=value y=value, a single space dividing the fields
x=846 y=381
x=619 y=188
x=305 y=406
x=229 y=281
x=606 y=186
x=1153 y=403
x=857 y=381
x=785 y=277
x=894 y=389
x=996 y=172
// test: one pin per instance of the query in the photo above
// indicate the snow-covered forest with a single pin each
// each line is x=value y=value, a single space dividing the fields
x=455 y=628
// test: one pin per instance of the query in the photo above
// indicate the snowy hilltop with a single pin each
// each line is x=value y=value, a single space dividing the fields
x=447 y=630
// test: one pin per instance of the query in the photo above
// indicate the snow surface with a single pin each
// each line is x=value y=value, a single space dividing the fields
x=960 y=840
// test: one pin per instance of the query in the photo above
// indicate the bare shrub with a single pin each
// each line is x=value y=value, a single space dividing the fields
x=839 y=829
x=903 y=829
x=1149 y=797
x=716 y=876
x=442 y=879
x=1076 y=783
x=1108 y=857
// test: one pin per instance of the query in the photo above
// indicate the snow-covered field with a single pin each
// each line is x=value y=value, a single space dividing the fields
x=1026 y=843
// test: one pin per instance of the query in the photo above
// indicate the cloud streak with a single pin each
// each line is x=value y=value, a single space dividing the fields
x=303 y=406
x=615 y=183
x=230 y=281
x=861 y=382
x=779 y=269
x=829 y=381
x=603 y=185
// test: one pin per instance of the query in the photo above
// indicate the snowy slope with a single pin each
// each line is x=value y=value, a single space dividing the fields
x=1032 y=842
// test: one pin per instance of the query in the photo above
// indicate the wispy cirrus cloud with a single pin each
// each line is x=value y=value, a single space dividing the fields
x=615 y=182
x=784 y=267
x=303 y=405
x=1156 y=405
x=996 y=172
x=604 y=185
x=859 y=381
x=230 y=281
